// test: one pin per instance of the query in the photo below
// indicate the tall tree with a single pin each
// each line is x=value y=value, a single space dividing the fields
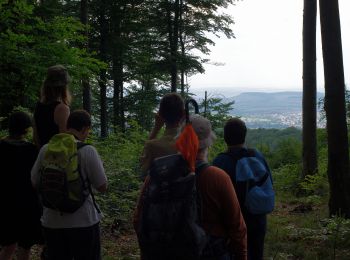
x=338 y=151
x=30 y=42
x=182 y=27
x=103 y=77
x=173 y=36
x=85 y=80
x=309 y=88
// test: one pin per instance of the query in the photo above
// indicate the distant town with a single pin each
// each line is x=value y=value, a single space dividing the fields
x=270 y=110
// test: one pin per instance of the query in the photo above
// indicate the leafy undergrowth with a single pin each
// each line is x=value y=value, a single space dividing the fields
x=299 y=229
x=123 y=246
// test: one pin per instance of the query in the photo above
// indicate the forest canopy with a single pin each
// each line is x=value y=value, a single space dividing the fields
x=121 y=55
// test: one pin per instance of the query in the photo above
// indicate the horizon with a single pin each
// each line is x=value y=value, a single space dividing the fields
x=267 y=51
x=225 y=91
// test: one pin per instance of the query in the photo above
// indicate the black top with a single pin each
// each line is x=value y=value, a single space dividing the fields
x=45 y=122
x=17 y=195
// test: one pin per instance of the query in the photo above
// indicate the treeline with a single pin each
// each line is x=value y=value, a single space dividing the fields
x=122 y=54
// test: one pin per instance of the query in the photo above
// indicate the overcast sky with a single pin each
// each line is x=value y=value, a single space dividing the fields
x=267 y=52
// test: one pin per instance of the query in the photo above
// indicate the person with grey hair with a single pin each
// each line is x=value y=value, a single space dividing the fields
x=52 y=111
x=220 y=216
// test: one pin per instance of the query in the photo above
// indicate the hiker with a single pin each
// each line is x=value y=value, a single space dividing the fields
x=220 y=214
x=52 y=111
x=21 y=211
x=71 y=230
x=171 y=113
x=255 y=218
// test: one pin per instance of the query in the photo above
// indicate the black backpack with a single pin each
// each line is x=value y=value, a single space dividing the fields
x=169 y=220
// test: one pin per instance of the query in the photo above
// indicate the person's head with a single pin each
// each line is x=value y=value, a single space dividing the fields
x=202 y=127
x=235 y=132
x=79 y=123
x=19 y=124
x=172 y=108
x=55 y=86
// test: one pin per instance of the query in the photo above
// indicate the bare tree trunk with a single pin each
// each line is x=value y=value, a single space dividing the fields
x=117 y=91
x=102 y=82
x=309 y=88
x=85 y=80
x=338 y=151
x=173 y=35
x=118 y=73
x=103 y=104
x=182 y=44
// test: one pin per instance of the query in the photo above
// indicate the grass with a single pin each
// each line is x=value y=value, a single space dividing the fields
x=294 y=234
x=298 y=228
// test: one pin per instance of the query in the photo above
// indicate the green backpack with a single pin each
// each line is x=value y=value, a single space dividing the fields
x=62 y=186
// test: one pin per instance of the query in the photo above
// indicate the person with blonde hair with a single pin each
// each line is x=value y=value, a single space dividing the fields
x=52 y=111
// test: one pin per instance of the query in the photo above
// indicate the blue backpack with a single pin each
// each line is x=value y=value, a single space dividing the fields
x=253 y=182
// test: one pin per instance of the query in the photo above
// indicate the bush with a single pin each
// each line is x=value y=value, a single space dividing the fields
x=287 y=178
x=120 y=153
x=288 y=151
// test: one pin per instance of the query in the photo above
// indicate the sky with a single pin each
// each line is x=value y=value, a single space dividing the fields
x=266 y=54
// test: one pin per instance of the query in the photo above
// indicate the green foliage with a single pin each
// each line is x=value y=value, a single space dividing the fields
x=337 y=231
x=287 y=178
x=141 y=104
x=288 y=151
x=217 y=111
x=120 y=153
x=271 y=137
x=219 y=146
x=316 y=184
x=29 y=45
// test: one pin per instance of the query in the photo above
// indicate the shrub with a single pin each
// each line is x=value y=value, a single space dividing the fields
x=287 y=178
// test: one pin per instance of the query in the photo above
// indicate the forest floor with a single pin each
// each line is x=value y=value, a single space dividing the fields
x=296 y=230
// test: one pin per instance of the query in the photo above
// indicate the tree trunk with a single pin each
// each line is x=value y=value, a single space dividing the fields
x=173 y=36
x=182 y=44
x=121 y=110
x=117 y=90
x=338 y=151
x=309 y=88
x=117 y=71
x=85 y=80
x=103 y=104
x=103 y=80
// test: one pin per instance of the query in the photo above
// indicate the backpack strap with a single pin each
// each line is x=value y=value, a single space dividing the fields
x=200 y=166
x=79 y=146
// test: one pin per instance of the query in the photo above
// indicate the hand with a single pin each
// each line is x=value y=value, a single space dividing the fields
x=158 y=124
x=158 y=121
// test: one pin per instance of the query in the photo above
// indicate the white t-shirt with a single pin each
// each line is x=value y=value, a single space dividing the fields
x=87 y=215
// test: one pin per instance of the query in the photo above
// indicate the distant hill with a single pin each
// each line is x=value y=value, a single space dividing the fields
x=270 y=110
x=248 y=103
